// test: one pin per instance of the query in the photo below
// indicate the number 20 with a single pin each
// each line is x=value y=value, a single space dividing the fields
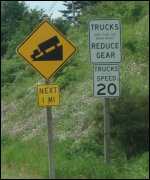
x=110 y=91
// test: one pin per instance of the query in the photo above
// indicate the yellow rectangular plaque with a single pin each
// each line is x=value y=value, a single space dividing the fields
x=48 y=95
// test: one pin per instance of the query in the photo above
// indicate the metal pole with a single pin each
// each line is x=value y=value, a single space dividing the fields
x=50 y=141
x=73 y=12
x=106 y=131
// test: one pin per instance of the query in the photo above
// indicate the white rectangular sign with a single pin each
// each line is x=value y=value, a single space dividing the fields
x=106 y=80
x=105 y=40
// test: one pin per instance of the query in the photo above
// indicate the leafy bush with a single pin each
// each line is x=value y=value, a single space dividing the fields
x=130 y=112
x=10 y=68
x=80 y=119
x=68 y=76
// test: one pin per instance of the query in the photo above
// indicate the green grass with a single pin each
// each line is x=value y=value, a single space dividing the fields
x=29 y=159
x=18 y=90
x=24 y=158
x=78 y=121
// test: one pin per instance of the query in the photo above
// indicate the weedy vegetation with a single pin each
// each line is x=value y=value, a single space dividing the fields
x=78 y=121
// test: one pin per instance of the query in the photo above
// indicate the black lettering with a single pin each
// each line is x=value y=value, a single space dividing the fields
x=98 y=55
x=112 y=45
x=110 y=89
x=110 y=78
x=112 y=55
x=111 y=27
x=102 y=55
x=103 y=87
x=108 y=68
x=46 y=92
x=96 y=27
x=112 y=68
x=102 y=77
x=104 y=27
x=92 y=26
x=50 y=90
x=106 y=78
x=116 y=27
x=95 y=69
x=101 y=26
x=98 y=45
x=99 y=68
x=105 y=45
x=41 y=91
x=93 y=45
x=50 y=99
x=107 y=26
x=102 y=45
x=116 y=68
x=117 y=45
x=98 y=78
x=113 y=78
x=55 y=89
x=107 y=55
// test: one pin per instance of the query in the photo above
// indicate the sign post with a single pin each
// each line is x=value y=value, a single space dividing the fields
x=105 y=54
x=106 y=131
x=52 y=174
x=46 y=49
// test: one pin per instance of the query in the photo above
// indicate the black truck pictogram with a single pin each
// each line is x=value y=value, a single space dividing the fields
x=52 y=55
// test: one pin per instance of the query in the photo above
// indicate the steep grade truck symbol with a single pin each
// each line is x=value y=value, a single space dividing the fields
x=49 y=50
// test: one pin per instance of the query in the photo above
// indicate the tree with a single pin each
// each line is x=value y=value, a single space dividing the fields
x=79 y=8
x=62 y=25
x=17 y=22
x=26 y=26
x=11 y=13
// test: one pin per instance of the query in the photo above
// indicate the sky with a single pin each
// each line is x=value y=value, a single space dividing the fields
x=49 y=6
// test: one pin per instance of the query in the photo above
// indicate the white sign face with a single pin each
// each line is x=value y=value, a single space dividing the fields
x=105 y=41
x=106 y=80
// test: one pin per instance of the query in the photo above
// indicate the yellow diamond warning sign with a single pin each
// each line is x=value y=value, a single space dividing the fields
x=48 y=95
x=46 y=49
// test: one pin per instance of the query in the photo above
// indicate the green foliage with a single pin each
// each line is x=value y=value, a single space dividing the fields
x=135 y=39
x=5 y=140
x=129 y=111
x=68 y=76
x=62 y=25
x=30 y=156
x=19 y=80
x=78 y=6
x=16 y=69
x=10 y=68
x=10 y=21
x=25 y=27
x=17 y=23
x=135 y=164
x=78 y=122
x=20 y=157
x=130 y=114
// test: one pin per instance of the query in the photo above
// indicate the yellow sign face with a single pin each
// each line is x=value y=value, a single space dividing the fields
x=46 y=49
x=48 y=95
